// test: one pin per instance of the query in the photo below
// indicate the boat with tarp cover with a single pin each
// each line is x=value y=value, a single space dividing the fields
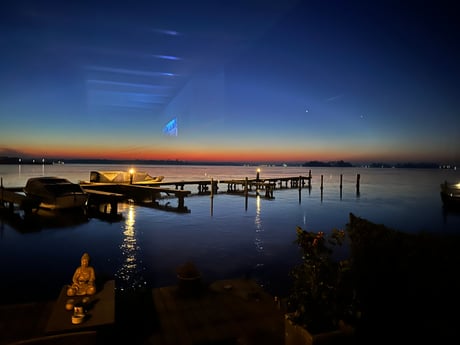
x=115 y=176
x=55 y=193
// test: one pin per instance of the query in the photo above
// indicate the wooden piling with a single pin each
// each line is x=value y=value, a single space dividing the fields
x=358 y=177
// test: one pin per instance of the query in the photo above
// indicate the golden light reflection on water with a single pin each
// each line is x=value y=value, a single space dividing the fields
x=258 y=241
x=130 y=271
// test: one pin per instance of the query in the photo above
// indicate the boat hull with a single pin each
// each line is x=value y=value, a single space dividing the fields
x=65 y=202
x=450 y=194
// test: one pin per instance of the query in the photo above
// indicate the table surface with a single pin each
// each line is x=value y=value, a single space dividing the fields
x=100 y=310
x=227 y=311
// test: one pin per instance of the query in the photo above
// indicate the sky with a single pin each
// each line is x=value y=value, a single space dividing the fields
x=240 y=81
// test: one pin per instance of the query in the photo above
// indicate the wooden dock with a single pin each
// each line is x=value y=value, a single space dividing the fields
x=212 y=185
x=143 y=194
x=104 y=197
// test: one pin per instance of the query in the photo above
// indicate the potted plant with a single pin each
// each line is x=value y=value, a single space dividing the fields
x=321 y=304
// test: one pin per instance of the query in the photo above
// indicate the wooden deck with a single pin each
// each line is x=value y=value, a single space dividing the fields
x=234 y=311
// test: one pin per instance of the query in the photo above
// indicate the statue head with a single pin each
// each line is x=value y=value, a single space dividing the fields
x=85 y=257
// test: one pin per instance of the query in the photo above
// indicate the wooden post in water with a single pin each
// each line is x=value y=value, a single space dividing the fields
x=309 y=178
x=212 y=196
x=357 y=183
x=341 y=179
x=246 y=193
x=321 y=182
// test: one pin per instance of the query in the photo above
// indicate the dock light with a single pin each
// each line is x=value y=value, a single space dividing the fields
x=258 y=175
x=131 y=174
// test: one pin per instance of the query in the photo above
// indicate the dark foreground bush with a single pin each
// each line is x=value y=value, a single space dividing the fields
x=408 y=284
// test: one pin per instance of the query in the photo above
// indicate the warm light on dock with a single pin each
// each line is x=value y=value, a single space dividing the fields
x=131 y=175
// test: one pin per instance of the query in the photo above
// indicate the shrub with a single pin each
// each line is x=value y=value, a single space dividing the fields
x=322 y=292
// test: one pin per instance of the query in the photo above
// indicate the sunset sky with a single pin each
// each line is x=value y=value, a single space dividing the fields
x=249 y=81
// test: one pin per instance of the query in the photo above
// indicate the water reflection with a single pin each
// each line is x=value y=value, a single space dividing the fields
x=258 y=240
x=130 y=273
x=41 y=219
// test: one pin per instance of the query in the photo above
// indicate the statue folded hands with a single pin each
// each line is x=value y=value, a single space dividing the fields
x=83 y=280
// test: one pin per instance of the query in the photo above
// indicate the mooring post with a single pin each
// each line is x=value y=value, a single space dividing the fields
x=357 y=183
x=181 y=202
x=246 y=194
x=309 y=178
x=212 y=196
x=114 y=208
x=321 y=182
x=341 y=176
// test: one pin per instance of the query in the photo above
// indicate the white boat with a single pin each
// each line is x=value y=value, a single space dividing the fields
x=115 y=176
x=450 y=194
x=56 y=193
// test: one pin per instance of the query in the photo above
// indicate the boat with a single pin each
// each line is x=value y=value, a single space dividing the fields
x=450 y=194
x=55 y=193
x=115 y=176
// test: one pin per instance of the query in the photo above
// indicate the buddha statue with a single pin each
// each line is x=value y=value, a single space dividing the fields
x=83 y=280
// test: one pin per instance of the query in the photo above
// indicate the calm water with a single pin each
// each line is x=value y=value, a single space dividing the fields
x=225 y=236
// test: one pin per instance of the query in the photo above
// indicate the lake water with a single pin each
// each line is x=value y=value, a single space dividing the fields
x=225 y=236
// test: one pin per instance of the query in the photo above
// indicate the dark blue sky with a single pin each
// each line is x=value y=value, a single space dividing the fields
x=273 y=81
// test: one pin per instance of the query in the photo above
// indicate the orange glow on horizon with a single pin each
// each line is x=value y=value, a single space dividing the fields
x=243 y=155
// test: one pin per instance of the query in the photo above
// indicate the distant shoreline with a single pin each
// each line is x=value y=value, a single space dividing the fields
x=313 y=164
